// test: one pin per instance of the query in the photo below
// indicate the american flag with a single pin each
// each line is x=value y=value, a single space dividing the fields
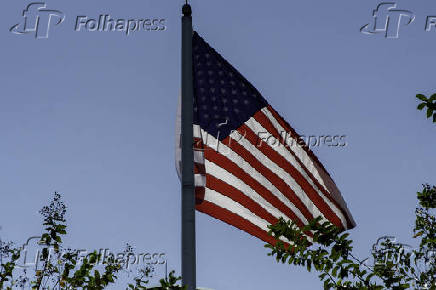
x=250 y=165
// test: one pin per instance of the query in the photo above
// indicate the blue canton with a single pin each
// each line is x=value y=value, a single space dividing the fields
x=223 y=98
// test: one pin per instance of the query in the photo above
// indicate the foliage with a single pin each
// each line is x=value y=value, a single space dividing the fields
x=165 y=283
x=64 y=268
x=393 y=265
x=330 y=252
x=429 y=103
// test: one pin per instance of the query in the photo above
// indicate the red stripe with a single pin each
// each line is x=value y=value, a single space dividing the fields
x=230 y=166
x=267 y=124
x=225 y=189
x=199 y=168
x=295 y=135
x=234 y=220
x=271 y=176
x=286 y=166
x=198 y=144
x=199 y=194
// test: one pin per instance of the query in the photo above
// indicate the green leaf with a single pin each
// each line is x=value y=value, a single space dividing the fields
x=434 y=118
x=309 y=265
x=421 y=97
x=418 y=234
x=421 y=106
x=429 y=113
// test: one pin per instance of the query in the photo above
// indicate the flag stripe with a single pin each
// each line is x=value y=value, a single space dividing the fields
x=249 y=199
x=295 y=135
x=198 y=156
x=280 y=178
x=311 y=168
x=222 y=174
x=215 y=171
x=225 y=202
x=232 y=167
x=200 y=179
x=298 y=150
x=278 y=184
x=238 y=196
x=243 y=207
x=240 y=163
x=308 y=167
x=304 y=190
x=235 y=220
x=266 y=118
x=199 y=168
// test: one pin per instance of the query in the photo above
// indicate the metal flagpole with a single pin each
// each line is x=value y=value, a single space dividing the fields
x=188 y=194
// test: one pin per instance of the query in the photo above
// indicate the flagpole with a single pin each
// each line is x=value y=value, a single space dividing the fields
x=188 y=185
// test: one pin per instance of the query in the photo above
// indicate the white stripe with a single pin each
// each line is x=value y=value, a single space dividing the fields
x=200 y=179
x=229 y=204
x=280 y=172
x=257 y=128
x=197 y=131
x=245 y=166
x=237 y=183
x=296 y=148
x=199 y=156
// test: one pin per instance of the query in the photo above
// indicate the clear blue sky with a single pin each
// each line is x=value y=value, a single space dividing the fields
x=92 y=114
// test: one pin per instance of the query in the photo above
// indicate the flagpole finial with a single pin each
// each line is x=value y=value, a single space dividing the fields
x=187 y=11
